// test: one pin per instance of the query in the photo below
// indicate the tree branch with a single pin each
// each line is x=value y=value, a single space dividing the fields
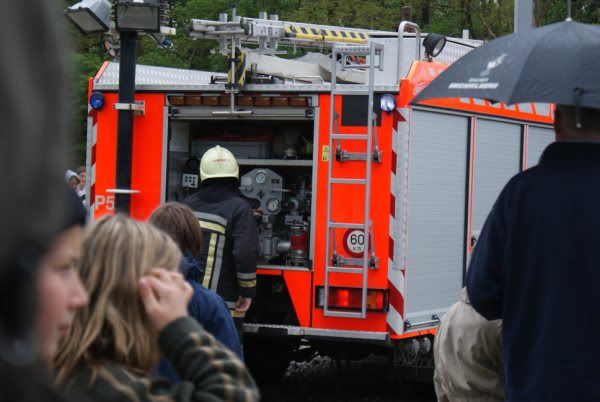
x=485 y=24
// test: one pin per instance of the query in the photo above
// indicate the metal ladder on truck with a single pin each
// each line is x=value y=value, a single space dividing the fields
x=335 y=263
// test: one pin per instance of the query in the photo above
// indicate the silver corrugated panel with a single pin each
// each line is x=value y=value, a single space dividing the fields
x=436 y=212
x=537 y=140
x=497 y=159
x=155 y=76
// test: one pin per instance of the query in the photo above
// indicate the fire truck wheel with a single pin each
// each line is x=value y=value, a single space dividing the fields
x=267 y=359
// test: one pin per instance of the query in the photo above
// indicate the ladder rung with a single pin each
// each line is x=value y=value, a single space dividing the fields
x=346 y=314
x=344 y=225
x=347 y=181
x=342 y=270
x=356 y=137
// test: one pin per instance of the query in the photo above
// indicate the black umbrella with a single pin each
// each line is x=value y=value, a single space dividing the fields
x=557 y=63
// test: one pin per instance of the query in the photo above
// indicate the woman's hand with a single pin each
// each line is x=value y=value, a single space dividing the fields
x=165 y=295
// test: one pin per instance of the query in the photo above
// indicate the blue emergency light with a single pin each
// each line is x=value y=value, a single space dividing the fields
x=97 y=100
x=388 y=103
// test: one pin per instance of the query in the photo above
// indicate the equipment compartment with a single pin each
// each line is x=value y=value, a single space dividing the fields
x=276 y=176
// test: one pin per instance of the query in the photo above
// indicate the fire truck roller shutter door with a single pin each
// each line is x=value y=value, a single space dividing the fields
x=497 y=159
x=436 y=213
x=537 y=140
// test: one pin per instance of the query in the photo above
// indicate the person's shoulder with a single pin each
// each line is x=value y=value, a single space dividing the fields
x=190 y=199
x=521 y=180
x=206 y=296
x=199 y=290
x=528 y=182
x=241 y=206
x=239 y=200
x=525 y=176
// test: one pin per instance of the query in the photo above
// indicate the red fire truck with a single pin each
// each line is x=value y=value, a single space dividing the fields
x=371 y=205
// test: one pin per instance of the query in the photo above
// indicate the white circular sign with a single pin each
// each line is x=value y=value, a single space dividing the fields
x=355 y=242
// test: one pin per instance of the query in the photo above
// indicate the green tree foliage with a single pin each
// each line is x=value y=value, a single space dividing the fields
x=485 y=19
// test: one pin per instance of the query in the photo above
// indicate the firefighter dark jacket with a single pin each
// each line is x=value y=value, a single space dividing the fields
x=229 y=250
x=536 y=265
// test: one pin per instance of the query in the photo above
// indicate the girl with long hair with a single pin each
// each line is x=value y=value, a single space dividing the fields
x=138 y=310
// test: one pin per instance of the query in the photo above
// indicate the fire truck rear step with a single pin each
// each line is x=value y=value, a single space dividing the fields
x=252 y=328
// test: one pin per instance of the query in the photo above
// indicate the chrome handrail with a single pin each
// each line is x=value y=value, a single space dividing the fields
x=401 y=29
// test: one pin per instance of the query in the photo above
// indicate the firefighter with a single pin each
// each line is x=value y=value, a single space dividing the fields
x=227 y=262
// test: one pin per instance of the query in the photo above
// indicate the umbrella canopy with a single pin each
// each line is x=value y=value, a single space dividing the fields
x=557 y=63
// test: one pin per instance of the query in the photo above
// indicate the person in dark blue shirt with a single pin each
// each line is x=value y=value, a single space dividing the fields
x=207 y=307
x=537 y=267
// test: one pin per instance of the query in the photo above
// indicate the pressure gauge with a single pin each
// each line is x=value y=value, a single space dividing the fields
x=260 y=178
x=273 y=205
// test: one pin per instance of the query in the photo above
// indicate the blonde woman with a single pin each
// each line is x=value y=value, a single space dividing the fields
x=136 y=312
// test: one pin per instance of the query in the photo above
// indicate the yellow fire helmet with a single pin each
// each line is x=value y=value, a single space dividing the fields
x=218 y=162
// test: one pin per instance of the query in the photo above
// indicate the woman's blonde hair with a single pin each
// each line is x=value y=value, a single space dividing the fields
x=114 y=327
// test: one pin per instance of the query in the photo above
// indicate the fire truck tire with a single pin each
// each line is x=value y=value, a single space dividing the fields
x=267 y=359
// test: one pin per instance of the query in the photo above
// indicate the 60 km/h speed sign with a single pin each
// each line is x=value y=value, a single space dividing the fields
x=354 y=242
